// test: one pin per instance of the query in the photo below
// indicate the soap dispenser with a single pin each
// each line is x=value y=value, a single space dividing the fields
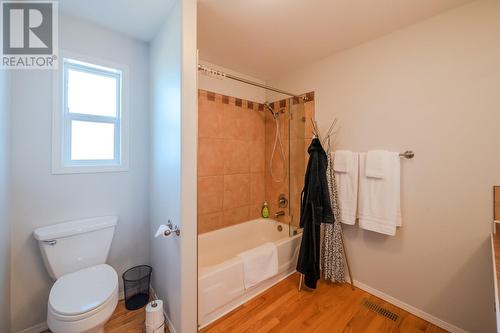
x=265 y=210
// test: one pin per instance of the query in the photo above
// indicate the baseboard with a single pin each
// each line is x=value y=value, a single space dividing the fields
x=171 y=327
x=35 y=329
x=411 y=309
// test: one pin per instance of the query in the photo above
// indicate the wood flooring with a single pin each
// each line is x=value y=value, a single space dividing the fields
x=125 y=321
x=329 y=308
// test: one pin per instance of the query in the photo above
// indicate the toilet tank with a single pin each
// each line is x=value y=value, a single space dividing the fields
x=70 y=246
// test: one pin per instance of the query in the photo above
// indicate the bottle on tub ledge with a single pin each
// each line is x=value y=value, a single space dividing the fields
x=265 y=210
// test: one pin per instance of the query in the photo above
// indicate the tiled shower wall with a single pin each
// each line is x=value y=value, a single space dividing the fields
x=235 y=139
x=231 y=179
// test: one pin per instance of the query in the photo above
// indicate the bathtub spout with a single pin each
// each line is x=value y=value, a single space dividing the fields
x=279 y=213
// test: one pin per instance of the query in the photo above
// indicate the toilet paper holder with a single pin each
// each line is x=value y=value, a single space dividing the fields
x=168 y=229
x=173 y=228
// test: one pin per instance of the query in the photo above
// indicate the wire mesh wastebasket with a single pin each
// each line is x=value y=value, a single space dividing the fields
x=136 y=283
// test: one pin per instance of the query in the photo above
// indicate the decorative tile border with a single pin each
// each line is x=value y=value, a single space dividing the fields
x=238 y=102
x=295 y=100
x=212 y=96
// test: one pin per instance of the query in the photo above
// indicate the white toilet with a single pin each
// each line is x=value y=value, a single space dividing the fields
x=85 y=293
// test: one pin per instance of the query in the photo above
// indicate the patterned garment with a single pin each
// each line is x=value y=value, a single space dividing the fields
x=332 y=252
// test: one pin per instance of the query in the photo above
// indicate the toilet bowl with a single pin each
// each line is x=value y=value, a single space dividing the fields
x=83 y=301
x=85 y=292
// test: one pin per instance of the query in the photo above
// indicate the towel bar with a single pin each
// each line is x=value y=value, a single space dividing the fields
x=409 y=154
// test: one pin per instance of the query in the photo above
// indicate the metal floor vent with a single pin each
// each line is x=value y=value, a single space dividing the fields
x=380 y=310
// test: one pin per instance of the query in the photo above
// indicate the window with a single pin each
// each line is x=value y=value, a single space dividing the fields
x=89 y=133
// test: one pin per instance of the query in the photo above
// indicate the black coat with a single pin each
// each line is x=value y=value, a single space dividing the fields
x=315 y=209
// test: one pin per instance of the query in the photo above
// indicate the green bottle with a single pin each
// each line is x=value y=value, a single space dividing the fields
x=265 y=210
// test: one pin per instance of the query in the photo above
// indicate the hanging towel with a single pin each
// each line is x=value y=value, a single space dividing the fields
x=375 y=163
x=259 y=264
x=379 y=198
x=315 y=209
x=342 y=161
x=346 y=174
x=333 y=251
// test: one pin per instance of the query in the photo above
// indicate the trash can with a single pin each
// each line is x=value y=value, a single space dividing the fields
x=136 y=282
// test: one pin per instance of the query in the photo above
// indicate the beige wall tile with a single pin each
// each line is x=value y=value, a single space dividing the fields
x=210 y=115
x=257 y=126
x=210 y=194
x=257 y=156
x=236 y=190
x=210 y=157
x=235 y=144
x=257 y=188
x=255 y=211
x=236 y=122
x=236 y=156
x=236 y=215
x=209 y=222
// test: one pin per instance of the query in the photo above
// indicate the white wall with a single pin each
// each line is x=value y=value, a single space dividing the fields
x=174 y=164
x=189 y=168
x=4 y=202
x=433 y=87
x=40 y=198
x=230 y=87
x=165 y=167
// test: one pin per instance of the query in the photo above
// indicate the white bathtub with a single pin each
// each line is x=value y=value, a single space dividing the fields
x=220 y=271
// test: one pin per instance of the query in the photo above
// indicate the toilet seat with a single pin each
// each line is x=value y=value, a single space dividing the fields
x=83 y=293
x=83 y=301
x=92 y=322
x=111 y=302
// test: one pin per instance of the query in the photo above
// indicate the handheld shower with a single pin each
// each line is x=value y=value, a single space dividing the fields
x=277 y=141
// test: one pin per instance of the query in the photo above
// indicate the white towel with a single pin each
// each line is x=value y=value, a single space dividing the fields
x=346 y=175
x=342 y=160
x=379 y=198
x=259 y=264
x=376 y=162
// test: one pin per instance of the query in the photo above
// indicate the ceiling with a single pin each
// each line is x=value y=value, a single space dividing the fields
x=136 y=18
x=266 y=38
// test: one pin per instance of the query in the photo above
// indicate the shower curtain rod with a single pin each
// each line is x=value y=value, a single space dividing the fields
x=220 y=74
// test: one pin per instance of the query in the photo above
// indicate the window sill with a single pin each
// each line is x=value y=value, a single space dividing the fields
x=88 y=169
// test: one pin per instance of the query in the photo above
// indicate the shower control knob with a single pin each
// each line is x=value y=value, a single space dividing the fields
x=282 y=201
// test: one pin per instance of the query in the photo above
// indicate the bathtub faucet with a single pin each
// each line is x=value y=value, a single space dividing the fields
x=279 y=213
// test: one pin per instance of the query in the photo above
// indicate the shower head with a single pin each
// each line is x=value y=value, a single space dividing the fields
x=270 y=108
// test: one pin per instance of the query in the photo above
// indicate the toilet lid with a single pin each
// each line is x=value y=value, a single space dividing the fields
x=84 y=290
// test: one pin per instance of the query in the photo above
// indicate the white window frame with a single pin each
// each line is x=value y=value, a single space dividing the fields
x=61 y=120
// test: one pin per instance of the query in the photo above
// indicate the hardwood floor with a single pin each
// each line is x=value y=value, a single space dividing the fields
x=125 y=321
x=330 y=308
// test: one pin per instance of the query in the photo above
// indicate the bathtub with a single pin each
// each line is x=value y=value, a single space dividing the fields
x=220 y=271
